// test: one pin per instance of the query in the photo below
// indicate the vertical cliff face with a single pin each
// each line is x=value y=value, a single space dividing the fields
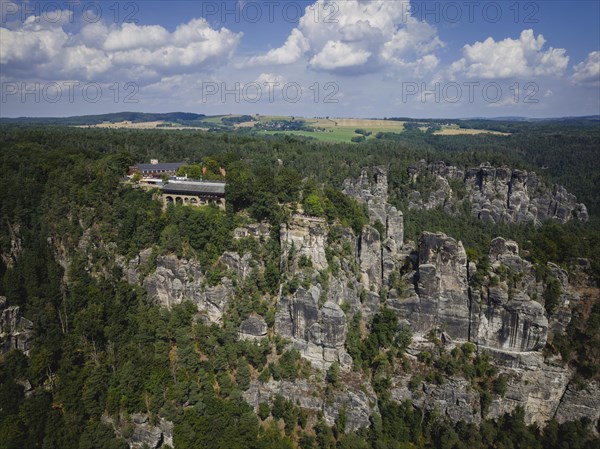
x=371 y=259
x=497 y=194
x=319 y=332
x=379 y=253
x=512 y=324
x=509 y=319
x=357 y=398
x=303 y=236
x=16 y=331
x=577 y=403
x=442 y=285
x=503 y=315
x=176 y=280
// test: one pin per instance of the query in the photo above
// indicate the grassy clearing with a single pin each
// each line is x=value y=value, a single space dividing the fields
x=467 y=131
x=340 y=129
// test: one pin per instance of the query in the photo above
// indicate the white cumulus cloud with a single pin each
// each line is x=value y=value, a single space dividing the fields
x=294 y=48
x=336 y=55
x=98 y=52
x=508 y=58
x=587 y=72
x=355 y=36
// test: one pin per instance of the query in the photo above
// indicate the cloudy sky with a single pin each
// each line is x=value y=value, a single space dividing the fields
x=346 y=58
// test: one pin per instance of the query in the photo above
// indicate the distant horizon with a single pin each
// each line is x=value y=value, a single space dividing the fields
x=497 y=118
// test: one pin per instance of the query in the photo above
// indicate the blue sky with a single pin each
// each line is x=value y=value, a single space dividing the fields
x=347 y=58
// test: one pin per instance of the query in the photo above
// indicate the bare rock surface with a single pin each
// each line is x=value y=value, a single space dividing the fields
x=319 y=333
x=16 y=331
x=497 y=194
x=140 y=433
x=253 y=328
x=359 y=403
x=177 y=280
x=303 y=236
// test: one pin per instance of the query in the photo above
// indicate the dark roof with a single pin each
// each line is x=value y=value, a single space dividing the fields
x=205 y=187
x=160 y=166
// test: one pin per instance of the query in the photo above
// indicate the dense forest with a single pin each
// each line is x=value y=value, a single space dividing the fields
x=101 y=349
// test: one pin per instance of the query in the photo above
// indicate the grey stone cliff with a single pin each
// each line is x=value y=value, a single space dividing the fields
x=177 y=280
x=318 y=332
x=16 y=331
x=140 y=433
x=303 y=236
x=358 y=402
x=497 y=194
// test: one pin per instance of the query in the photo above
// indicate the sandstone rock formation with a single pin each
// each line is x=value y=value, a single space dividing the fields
x=371 y=264
x=440 y=298
x=177 y=280
x=16 y=331
x=497 y=194
x=259 y=231
x=253 y=328
x=140 y=433
x=318 y=332
x=512 y=324
x=580 y=402
x=430 y=284
x=379 y=254
x=357 y=401
x=303 y=236
x=455 y=399
x=535 y=383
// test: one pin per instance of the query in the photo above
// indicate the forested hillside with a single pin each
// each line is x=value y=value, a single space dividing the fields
x=307 y=314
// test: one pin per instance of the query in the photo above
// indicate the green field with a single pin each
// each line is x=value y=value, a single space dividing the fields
x=341 y=129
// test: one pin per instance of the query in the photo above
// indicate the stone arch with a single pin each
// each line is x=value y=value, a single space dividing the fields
x=178 y=200
x=194 y=201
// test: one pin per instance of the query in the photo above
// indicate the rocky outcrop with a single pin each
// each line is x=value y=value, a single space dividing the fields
x=381 y=242
x=240 y=266
x=455 y=398
x=509 y=320
x=431 y=285
x=497 y=194
x=512 y=323
x=10 y=257
x=371 y=264
x=579 y=403
x=177 y=280
x=440 y=298
x=319 y=333
x=303 y=236
x=253 y=328
x=139 y=433
x=16 y=331
x=356 y=401
x=259 y=231
x=534 y=383
x=344 y=288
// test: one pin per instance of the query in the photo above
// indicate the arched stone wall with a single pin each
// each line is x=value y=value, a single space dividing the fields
x=191 y=200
